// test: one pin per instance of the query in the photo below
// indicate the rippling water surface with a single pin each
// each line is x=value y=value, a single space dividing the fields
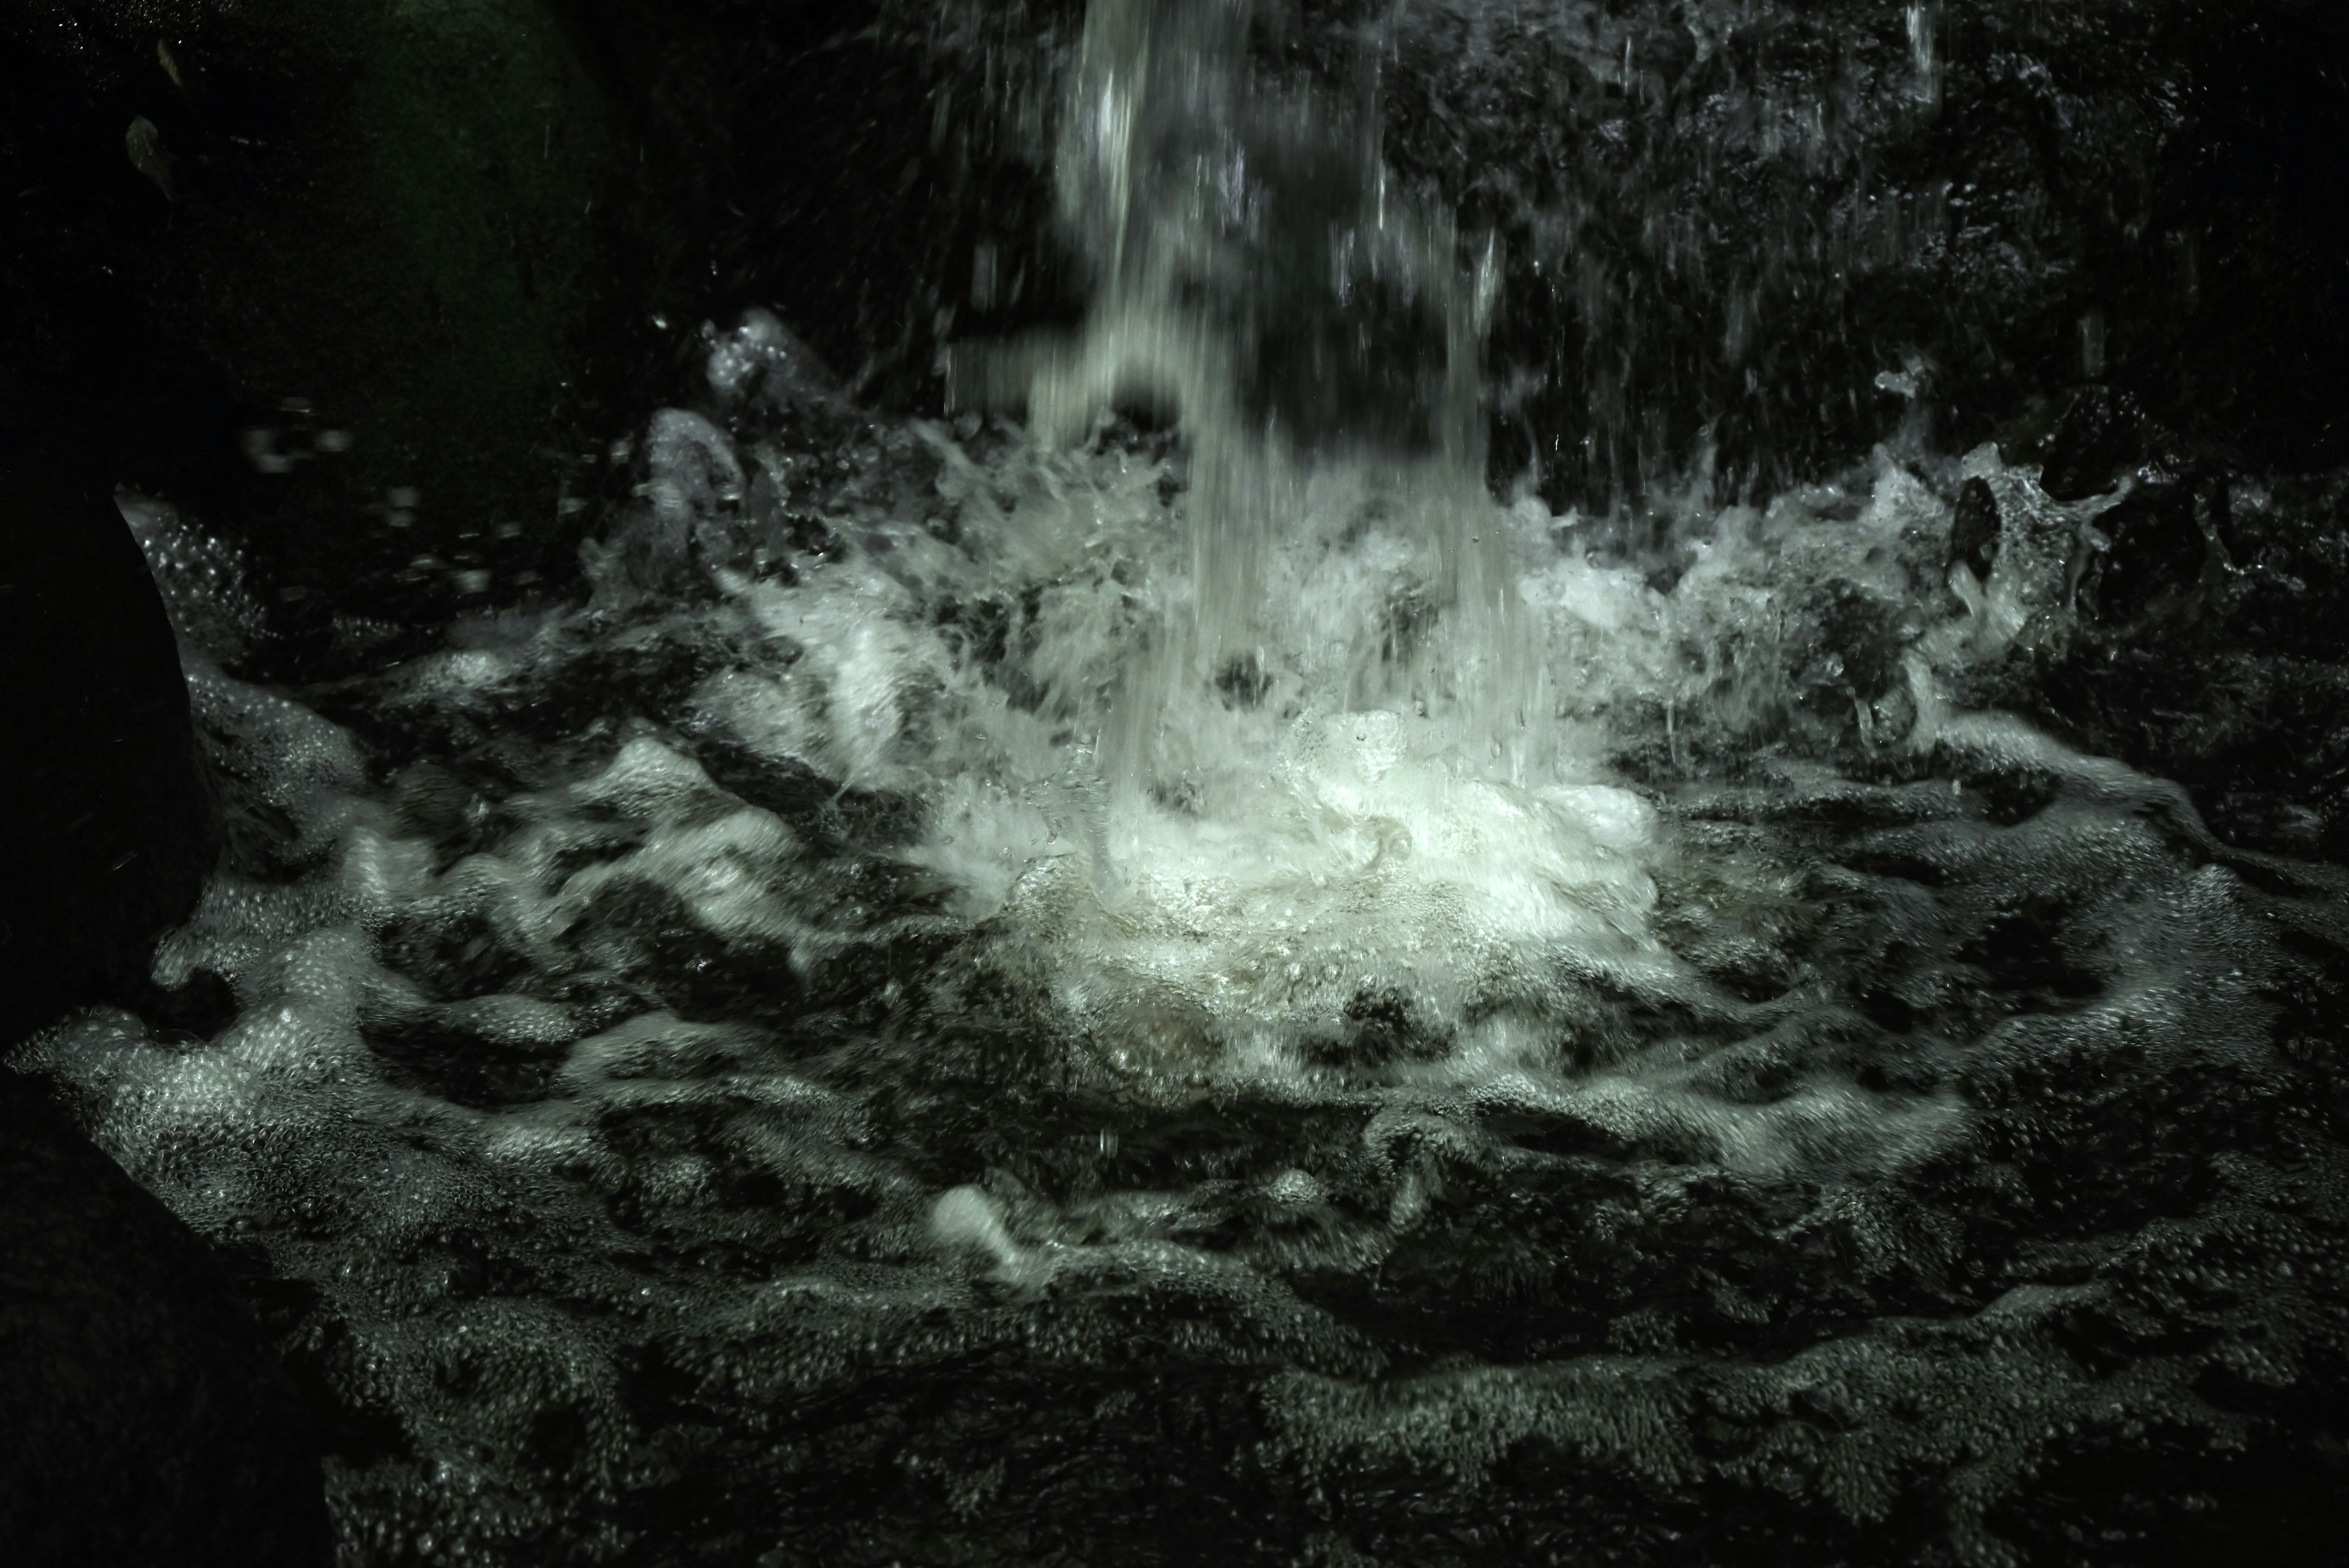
x=1025 y=989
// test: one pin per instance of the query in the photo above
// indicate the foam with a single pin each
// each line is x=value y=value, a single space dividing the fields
x=1427 y=961
x=1343 y=831
x=1554 y=929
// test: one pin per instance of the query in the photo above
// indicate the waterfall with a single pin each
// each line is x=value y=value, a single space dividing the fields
x=1156 y=967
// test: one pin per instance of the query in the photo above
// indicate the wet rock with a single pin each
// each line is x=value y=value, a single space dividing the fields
x=1974 y=529
x=107 y=835
x=1724 y=223
x=2090 y=439
x=341 y=290
x=2207 y=611
x=312 y=246
x=2154 y=560
x=878 y=171
x=1717 y=225
x=142 y=1418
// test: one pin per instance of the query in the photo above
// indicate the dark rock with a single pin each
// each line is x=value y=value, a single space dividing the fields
x=879 y=172
x=330 y=275
x=1974 y=529
x=108 y=835
x=142 y=1419
x=1722 y=223
x=1718 y=224
x=477 y=250
x=2090 y=439
x=2156 y=559
x=2211 y=629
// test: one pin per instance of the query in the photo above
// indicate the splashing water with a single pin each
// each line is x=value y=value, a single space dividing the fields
x=1316 y=779
x=1358 y=1013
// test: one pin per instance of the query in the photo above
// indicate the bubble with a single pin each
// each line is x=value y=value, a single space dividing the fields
x=1484 y=1016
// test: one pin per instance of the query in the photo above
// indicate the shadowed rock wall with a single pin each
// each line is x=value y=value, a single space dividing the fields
x=421 y=262
x=330 y=270
x=104 y=833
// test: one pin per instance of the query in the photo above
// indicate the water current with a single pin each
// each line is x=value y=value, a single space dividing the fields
x=1191 y=984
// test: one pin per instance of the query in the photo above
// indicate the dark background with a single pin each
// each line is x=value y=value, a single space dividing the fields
x=478 y=237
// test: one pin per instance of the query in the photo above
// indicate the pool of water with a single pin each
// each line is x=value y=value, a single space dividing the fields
x=1023 y=988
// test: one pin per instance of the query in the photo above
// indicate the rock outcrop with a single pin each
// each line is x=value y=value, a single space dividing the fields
x=107 y=836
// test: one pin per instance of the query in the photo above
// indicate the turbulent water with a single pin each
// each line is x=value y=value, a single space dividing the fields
x=1034 y=990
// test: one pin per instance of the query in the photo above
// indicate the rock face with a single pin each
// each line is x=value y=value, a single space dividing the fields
x=142 y=1417
x=1723 y=223
x=335 y=271
x=1718 y=224
x=311 y=244
x=107 y=835
x=372 y=288
x=2207 y=632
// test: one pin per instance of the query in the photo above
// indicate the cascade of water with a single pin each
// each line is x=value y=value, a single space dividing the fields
x=1256 y=267
x=975 y=1005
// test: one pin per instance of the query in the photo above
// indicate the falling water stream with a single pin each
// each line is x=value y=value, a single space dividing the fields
x=1152 y=973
